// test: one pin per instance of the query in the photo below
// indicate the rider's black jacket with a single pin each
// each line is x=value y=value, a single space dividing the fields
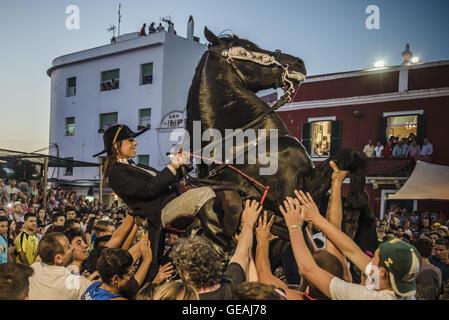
x=143 y=193
x=146 y=195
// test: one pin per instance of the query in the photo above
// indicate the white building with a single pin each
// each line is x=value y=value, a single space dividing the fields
x=136 y=81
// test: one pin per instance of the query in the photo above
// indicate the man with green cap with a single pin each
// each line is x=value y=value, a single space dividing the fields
x=392 y=270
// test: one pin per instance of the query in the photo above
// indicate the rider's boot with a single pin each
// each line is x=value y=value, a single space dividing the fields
x=212 y=224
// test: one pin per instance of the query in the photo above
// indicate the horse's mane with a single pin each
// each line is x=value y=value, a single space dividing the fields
x=241 y=42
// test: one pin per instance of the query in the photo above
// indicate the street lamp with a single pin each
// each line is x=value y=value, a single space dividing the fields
x=379 y=64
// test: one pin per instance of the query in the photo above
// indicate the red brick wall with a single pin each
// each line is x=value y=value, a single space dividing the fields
x=356 y=131
x=426 y=78
x=348 y=87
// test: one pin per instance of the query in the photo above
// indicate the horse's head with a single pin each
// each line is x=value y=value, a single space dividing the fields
x=256 y=68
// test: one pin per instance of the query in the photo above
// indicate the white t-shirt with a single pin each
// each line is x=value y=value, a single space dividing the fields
x=56 y=283
x=378 y=150
x=342 y=290
x=369 y=150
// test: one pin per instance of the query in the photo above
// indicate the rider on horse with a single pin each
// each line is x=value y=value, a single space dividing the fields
x=151 y=193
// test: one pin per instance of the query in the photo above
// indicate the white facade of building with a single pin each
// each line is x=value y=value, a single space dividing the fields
x=174 y=61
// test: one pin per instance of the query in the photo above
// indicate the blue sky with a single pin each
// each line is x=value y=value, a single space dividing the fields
x=329 y=35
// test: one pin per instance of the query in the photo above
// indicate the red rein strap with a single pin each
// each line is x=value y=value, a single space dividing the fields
x=237 y=170
x=305 y=294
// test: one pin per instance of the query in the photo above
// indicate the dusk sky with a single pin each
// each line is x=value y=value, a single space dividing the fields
x=329 y=35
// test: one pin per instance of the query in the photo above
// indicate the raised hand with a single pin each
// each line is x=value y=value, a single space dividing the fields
x=145 y=248
x=165 y=272
x=292 y=212
x=251 y=212
x=263 y=228
x=338 y=175
x=311 y=211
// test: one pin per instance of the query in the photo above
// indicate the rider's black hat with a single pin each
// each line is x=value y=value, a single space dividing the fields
x=117 y=133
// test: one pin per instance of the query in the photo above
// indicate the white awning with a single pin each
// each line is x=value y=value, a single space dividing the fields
x=427 y=181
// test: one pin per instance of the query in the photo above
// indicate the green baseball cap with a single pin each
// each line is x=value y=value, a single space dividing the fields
x=403 y=261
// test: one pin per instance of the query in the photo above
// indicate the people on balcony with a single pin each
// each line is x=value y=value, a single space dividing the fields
x=427 y=148
x=369 y=149
x=400 y=149
x=379 y=148
x=388 y=150
x=414 y=150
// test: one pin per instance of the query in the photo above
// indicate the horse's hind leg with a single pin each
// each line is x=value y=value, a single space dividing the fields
x=231 y=203
x=211 y=218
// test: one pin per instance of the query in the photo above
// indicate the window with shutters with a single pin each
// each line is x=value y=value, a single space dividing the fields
x=402 y=126
x=321 y=138
x=146 y=73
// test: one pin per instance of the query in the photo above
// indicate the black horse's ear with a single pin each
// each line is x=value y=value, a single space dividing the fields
x=211 y=37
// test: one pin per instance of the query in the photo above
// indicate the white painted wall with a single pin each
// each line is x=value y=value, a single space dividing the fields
x=174 y=61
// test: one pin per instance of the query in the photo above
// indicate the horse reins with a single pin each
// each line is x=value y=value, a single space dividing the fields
x=266 y=188
x=264 y=59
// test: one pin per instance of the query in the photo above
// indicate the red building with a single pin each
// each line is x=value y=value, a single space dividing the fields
x=332 y=111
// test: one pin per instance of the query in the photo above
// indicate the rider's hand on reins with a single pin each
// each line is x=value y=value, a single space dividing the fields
x=178 y=160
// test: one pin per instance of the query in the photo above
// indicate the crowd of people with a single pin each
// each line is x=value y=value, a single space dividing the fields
x=429 y=233
x=76 y=249
x=160 y=28
x=399 y=148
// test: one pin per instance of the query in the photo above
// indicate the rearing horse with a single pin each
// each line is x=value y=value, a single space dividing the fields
x=223 y=96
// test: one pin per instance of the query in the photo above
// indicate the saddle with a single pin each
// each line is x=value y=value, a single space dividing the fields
x=229 y=206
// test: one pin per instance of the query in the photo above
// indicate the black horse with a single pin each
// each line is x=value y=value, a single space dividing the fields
x=223 y=96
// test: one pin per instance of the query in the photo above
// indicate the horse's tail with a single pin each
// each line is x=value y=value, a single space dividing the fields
x=357 y=196
x=318 y=181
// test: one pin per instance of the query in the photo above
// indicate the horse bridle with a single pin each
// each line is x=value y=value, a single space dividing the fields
x=264 y=59
x=240 y=53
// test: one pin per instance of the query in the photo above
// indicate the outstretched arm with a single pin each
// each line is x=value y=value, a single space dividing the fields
x=264 y=236
x=132 y=234
x=245 y=242
x=345 y=244
x=147 y=256
x=293 y=215
x=334 y=213
x=121 y=233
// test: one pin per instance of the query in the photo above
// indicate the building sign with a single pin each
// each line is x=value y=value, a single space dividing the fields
x=173 y=120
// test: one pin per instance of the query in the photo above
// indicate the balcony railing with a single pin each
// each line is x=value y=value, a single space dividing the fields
x=390 y=167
